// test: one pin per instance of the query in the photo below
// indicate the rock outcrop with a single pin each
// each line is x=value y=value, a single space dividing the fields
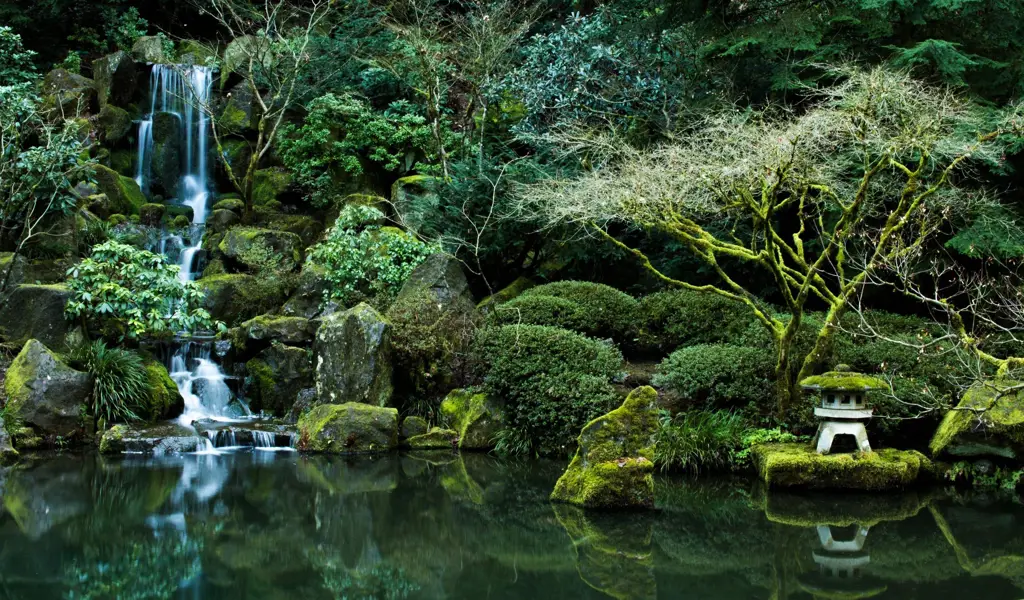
x=476 y=417
x=36 y=312
x=248 y=245
x=988 y=422
x=123 y=194
x=278 y=374
x=353 y=358
x=115 y=79
x=45 y=394
x=348 y=428
x=614 y=464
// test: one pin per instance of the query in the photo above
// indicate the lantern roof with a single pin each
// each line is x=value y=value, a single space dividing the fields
x=843 y=379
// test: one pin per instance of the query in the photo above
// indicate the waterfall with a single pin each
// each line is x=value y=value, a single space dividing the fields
x=203 y=385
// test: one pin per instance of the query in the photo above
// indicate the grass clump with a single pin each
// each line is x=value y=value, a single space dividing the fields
x=120 y=381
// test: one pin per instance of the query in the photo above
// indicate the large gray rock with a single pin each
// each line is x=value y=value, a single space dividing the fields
x=149 y=49
x=114 y=123
x=45 y=394
x=308 y=298
x=67 y=95
x=36 y=311
x=159 y=439
x=167 y=146
x=228 y=296
x=353 y=358
x=348 y=428
x=294 y=331
x=115 y=79
x=247 y=244
x=278 y=374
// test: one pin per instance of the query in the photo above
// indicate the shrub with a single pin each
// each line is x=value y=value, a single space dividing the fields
x=539 y=310
x=120 y=381
x=677 y=318
x=127 y=292
x=272 y=279
x=699 y=439
x=603 y=311
x=719 y=375
x=364 y=260
x=553 y=381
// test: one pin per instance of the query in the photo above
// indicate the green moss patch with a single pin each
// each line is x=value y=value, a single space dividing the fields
x=987 y=421
x=798 y=465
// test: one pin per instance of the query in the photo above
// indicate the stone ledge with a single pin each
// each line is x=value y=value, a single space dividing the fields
x=798 y=465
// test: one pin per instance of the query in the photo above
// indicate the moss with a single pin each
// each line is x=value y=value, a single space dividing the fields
x=163 y=392
x=434 y=439
x=475 y=417
x=250 y=245
x=841 y=509
x=798 y=465
x=181 y=222
x=986 y=414
x=232 y=204
x=233 y=119
x=843 y=380
x=512 y=290
x=262 y=376
x=112 y=441
x=16 y=383
x=348 y=428
x=268 y=184
x=117 y=219
x=114 y=122
x=124 y=193
x=413 y=426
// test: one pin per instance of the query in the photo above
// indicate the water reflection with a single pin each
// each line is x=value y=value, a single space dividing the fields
x=434 y=525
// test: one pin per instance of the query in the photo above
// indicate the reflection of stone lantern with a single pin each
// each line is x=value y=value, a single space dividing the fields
x=841 y=563
x=843 y=405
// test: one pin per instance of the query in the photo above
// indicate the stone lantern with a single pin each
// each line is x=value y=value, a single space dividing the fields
x=843 y=406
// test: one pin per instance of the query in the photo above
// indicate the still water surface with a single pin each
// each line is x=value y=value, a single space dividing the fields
x=275 y=525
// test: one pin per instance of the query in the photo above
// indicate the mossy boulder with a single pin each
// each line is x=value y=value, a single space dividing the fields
x=159 y=439
x=122 y=160
x=352 y=427
x=113 y=123
x=413 y=426
x=233 y=204
x=269 y=185
x=238 y=52
x=123 y=193
x=798 y=465
x=36 y=312
x=435 y=439
x=7 y=452
x=220 y=220
x=509 y=292
x=194 y=52
x=66 y=95
x=180 y=222
x=274 y=328
x=250 y=245
x=307 y=299
x=44 y=393
x=307 y=228
x=414 y=198
x=237 y=115
x=173 y=211
x=151 y=214
x=149 y=49
x=165 y=402
x=25 y=270
x=988 y=421
x=475 y=416
x=227 y=297
x=353 y=357
x=115 y=79
x=613 y=466
x=278 y=374
x=167 y=150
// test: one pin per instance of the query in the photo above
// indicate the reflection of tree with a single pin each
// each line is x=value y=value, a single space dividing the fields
x=369 y=580
x=146 y=568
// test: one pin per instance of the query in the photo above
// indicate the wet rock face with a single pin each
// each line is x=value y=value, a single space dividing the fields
x=348 y=428
x=36 y=312
x=167 y=149
x=45 y=394
x=278 y=374
x=115 y=78
x=353 y=358
x=476 y=417
x=614 y=464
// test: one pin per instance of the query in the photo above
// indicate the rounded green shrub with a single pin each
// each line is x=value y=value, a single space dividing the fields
x=719 y=375
x=604 y=311
x=539 y=310
x=677 y=318
x=553 y=382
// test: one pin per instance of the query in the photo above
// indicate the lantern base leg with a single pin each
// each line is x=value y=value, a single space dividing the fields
x=828 y=431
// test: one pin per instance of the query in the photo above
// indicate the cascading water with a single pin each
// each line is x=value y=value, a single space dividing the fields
x=184 y=91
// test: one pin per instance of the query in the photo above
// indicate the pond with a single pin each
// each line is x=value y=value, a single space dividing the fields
x=268 y=525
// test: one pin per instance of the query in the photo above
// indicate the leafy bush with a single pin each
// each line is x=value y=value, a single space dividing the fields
x=120 y=381
x=553 y=382
x=127 y=292
x=15 y=61
x=700 y=439
x=539 y=310
x=719 y=375
x=685 y=318
x=363 y=259
x=603 y=310
x=341 y=131
x=271 y=280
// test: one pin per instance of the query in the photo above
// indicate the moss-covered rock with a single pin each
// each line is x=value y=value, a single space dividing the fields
x=123 y=193
x=614 y=464
x=149 y=49
x=348 y=428
x=7 y=452
x=194 y=52
x=167 y=147
x=307 y=299
x=123 y=160
x=274 y=328
x=36 y=312
x=509 y=292
x=160 y=439
x=798 y=465
x=475 y=416
x=114 y=123
x=238 y=52
x=115 y=78
x=45 y=394
x=413 y=426
x=236 y=117
x=151 y=214
x=435 y=439
x=233 y=204
x=227 y=297
x=249 y=246
x=112 y=441
x=414 y=198
x=278 y=374
x=221 y=220
x=987 y=421
x=117 y=219
x=307 y=228
x=269 y=184
x=353 y=357
x=66 y=95
x=165 y=402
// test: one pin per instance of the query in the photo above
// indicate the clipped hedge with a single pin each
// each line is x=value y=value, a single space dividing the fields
x=719 y=375
x=540 y=310
x=676 y=318
x=603 y=311
x=553 y=381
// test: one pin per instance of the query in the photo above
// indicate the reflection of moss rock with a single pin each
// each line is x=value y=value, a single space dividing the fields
x=44 y=393
x=613 y=466
x=798 y=465
x=435 y=439
x=511 y=291
x=279 y=373
x=36 y=312
x=475 y=417
x=840 y=509
x=350 y=475
x=114 y=123
x=353 y=357
x=350 y=427
x=988 y=422
x=269 y=184
x=460 y=486
x=413 y=426
x=122 y=193
x=614 y=554
x=252 y=247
